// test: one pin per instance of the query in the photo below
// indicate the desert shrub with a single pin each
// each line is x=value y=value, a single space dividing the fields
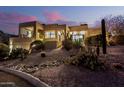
x=112 y=43
x=117 y=66
x=117 y=40
x=37 y=45
x=67 y=44
x=87 y=58
x=94 y=40
x=77 y=43
x=18 y=53
x=4 y=51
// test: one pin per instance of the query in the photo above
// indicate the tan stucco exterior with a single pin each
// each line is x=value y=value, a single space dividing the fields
x=93 y=31
x=52 y=34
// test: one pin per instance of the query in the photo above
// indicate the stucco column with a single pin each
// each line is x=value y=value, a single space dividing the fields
x=35 y=32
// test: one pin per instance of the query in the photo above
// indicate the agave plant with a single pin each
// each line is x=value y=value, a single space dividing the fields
x=77 y=43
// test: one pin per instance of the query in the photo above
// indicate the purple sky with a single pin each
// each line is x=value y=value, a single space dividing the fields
x=10 y=17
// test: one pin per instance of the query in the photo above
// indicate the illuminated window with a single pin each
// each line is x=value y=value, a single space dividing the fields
x=74 y=33
x=78 y=35
x=27 y=31
x=82 y=32
x=49 y=34
x=29 y=34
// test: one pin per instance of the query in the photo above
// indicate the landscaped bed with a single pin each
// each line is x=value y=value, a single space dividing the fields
x=68 y=75
x=54 y=72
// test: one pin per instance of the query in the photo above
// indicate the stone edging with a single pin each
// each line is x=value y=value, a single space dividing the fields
x=31 y=79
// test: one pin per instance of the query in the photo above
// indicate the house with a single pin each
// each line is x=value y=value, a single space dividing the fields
x=52 y=34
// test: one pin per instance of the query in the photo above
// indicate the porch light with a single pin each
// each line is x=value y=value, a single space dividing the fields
x=10 y=46
x=71 y=33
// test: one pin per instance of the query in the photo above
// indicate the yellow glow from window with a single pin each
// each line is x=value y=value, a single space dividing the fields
x=50 y=34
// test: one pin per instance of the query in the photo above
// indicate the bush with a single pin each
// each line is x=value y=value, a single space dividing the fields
x=111 y=43
x=87 y=58
x=77 y=43
x=18 y=53
x=4 y=51
x=67 y=44
x=38 y=45
x=118 y=66
x=94 y=40
x=117 y=40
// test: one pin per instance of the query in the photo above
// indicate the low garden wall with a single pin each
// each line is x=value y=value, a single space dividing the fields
x=29 y=78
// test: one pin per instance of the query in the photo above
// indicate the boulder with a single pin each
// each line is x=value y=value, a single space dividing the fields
x=43 y=54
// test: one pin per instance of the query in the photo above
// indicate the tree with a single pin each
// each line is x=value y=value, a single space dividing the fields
x=114 y=24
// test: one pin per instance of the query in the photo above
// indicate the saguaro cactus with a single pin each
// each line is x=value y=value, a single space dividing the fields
x=103 y=36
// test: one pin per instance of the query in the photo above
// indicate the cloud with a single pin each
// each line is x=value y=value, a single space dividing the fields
x=16 y=17
x=9 y=21
x=56 y=17
x=53 y=16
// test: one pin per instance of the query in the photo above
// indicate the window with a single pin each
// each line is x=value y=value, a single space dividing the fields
x=78 y=35
x=49 y=34
x=27 y=31
x=82 y=32
x=29 y=34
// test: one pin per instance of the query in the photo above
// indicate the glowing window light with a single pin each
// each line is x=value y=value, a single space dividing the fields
x=82 y=32
x=29 y=34
x=49 y=34
x=74 y=33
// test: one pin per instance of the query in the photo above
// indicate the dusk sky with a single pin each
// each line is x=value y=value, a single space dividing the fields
x=10 y=17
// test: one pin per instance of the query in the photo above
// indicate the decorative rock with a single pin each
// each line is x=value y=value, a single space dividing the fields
x=43 y=54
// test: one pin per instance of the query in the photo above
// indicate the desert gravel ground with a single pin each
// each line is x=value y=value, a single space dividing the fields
x=72 y=76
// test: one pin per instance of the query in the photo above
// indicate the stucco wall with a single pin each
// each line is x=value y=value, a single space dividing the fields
x=21 y=42
x=93 y=31
x=39 y=27
x=51 y=44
